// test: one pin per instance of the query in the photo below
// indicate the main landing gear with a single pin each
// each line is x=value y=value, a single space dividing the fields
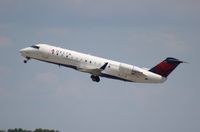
x=26 y=60
x=95 y=78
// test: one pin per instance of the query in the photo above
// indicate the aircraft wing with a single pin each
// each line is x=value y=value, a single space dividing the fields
x=93 y=71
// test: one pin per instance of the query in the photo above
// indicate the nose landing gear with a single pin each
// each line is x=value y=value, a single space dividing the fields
x=26 y=60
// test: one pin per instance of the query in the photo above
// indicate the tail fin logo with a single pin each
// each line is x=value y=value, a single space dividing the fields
x=166 y=67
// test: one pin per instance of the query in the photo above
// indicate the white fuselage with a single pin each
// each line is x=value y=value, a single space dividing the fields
x=88 y=63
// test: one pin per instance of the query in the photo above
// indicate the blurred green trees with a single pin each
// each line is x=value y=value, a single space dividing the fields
x=23 y=130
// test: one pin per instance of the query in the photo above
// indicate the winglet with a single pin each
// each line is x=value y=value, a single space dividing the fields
x=104 y=66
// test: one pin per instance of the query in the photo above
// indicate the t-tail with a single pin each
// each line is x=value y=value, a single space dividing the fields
x=166 y=67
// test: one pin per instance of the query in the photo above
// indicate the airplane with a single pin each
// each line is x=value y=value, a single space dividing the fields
x=100 y=67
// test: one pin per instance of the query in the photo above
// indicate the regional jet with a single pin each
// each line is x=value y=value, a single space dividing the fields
x=99 y=67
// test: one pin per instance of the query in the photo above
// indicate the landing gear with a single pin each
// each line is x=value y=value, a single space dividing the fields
x=26 y=60
x=95 y=78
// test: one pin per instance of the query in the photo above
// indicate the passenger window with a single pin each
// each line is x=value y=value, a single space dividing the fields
x=52 y=51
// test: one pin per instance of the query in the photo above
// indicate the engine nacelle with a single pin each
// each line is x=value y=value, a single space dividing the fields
x=125 y=68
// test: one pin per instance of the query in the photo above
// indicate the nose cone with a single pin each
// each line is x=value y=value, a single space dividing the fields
x=22 y=50
x=25 y=51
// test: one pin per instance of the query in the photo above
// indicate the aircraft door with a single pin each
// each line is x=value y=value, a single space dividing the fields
x=44 y=52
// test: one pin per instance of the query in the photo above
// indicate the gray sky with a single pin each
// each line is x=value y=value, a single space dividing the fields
x=139 y=32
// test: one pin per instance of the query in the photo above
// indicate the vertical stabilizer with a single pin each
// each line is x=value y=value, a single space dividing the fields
x=166 y=67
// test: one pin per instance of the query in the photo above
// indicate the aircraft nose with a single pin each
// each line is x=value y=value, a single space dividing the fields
x=25 y=51
x=21 y=50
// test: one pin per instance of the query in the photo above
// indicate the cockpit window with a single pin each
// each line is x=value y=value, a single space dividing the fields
x=35 y=46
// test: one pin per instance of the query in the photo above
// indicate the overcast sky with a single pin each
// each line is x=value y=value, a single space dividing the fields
x=139 y=32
